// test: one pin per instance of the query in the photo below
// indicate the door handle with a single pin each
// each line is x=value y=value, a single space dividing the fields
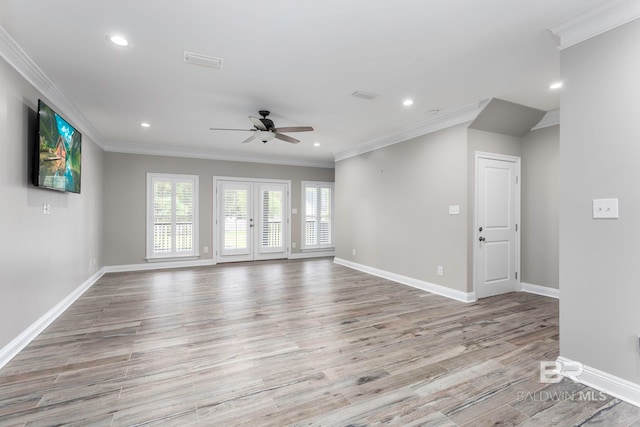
x=481 y=239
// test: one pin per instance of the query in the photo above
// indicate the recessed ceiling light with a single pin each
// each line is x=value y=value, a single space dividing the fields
x=556 y=85
x=145 y=125
x=119 y=40
x=316 y=144
x=407 y=102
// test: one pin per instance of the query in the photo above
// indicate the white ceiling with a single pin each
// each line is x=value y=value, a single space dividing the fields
x=301 y=59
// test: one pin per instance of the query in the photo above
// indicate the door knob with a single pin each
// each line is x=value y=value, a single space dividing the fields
x=481 y=239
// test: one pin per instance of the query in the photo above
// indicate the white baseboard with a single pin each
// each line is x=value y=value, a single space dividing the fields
x=540 y=290
x=315 y=254
x=21 y=341
x=410 y=281
x=157 y=265
x=607 y=383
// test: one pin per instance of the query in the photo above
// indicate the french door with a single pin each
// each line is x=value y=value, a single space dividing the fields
x=251 y=220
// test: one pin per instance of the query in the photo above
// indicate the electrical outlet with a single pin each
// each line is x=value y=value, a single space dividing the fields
x=605 y=208
x=293 y=245
x=354 y=252
x=46 y=209
x=440 y=270
x=206 y=249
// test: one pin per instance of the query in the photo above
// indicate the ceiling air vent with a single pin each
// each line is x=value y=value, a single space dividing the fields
x=204 y=60
x=364 y=95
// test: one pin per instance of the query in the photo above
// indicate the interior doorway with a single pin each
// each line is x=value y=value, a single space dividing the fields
x=497 y=218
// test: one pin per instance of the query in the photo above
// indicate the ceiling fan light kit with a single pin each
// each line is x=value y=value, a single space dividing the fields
x=264 y=135
x=264 y=130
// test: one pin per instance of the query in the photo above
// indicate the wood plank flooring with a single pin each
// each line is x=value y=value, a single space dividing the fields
x=300 y=342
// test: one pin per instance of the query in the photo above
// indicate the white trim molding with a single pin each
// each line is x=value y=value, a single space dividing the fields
x=444 y=119
x=596 y=21
x=160 y=265
x=602 y=381
x=208 y=154
x=13 y=53
x=540 y=290
x=410 y=281
x=21 y=341
x=312 y=254
x=551 y=118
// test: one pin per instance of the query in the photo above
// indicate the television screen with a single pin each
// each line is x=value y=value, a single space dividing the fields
x=58 y=153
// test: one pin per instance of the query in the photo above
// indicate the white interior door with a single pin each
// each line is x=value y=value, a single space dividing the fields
x=497 y=210
x=251 y=220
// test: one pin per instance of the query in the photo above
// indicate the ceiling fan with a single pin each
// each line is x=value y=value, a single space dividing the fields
x=264 y=130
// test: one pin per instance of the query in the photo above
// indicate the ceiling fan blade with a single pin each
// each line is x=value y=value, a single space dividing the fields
x=243 y=130
x=257 y=122
x=294 y=129
x=286 y=138
x=251 y=138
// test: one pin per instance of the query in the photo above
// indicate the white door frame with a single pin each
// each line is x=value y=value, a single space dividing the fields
x=214 y=225
x=475 y=235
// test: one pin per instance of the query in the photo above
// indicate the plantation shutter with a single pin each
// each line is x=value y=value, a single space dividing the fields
x=318 y=215
x=235 y=214
x=311 y=216
x=324 y=232
x=162 y=216
x=172 y=215
x=272 y=218
x=184 y=216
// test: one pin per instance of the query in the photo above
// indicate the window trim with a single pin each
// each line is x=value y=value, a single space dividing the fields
x=303 y=203
x=193 y=254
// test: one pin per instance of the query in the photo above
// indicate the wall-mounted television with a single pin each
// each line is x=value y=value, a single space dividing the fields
x=57 y=155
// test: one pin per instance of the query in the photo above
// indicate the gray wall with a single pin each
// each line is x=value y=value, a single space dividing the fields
x=540 y=210
x=125 y=186
x=392 y=207
x=599 y=153
x=43 y=258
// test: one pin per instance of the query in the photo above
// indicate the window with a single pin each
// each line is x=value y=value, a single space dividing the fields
x=317 y=229
x=172 y=216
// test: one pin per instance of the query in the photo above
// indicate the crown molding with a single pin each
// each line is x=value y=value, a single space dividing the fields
x=15 y=56
x=551 y=118
x=596 y=21
x=193 y=153
x=443 y=120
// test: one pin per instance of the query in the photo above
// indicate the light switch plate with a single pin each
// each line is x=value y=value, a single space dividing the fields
x=454 y=209
x=605 y=208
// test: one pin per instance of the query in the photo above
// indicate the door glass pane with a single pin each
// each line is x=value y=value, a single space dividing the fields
x=235 y=219
x=272 y=219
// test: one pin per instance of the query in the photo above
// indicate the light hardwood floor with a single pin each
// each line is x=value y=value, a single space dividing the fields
x=303 y=342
